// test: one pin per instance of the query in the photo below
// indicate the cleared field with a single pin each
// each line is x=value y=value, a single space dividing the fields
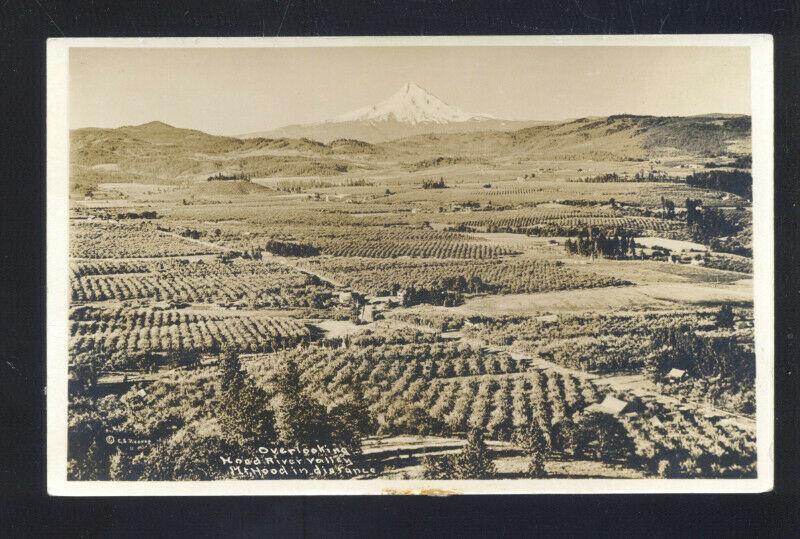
x=128 y=189
x=545 y=330
x=672 y=245
x=650 y=296
x=547 y=190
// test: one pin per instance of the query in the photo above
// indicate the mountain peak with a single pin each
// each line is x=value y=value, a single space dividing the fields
x=413 y=87
x=157 y=124
x=411 y=104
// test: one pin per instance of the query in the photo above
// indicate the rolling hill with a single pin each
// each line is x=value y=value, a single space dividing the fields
x=613 y=138
x=158 y=153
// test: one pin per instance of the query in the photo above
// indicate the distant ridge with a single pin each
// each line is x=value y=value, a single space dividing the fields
x=157 y=152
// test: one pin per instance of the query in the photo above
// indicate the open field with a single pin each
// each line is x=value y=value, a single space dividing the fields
x=635 y=297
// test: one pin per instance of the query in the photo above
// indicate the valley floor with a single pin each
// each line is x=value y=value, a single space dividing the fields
x=442 y=311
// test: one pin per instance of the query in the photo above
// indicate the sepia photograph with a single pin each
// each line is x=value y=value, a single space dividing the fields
x=410 y=265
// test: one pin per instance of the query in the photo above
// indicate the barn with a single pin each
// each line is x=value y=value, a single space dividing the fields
x=612 y=405
x=676 y=374
x=368 y=314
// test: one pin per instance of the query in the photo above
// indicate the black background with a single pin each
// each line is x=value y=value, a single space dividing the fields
x=25 y=508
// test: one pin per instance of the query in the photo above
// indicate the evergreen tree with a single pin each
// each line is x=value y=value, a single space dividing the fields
x=534 y=446
x=565 y=436
x=474 y=461
x=602 y=437
x=351 y=420
x=246 y=415
x=88 y=453
x=438 y=467
x=725 y=316
x=86 y=369
x=299 y=419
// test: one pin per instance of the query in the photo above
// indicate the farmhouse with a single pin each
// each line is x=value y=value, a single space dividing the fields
x=519 y=356
x=367 y=314
x=612 y=405
x=676 y=374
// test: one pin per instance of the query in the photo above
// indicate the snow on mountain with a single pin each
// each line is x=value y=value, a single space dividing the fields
x=410 y=111
x=411 y=105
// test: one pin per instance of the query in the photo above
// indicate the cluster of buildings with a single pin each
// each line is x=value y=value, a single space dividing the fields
x=371 y=308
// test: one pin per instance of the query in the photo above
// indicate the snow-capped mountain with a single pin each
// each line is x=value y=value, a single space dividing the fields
x=409 y=111
x=413 y=105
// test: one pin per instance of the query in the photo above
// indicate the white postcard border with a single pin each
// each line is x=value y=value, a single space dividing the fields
x=761 y=48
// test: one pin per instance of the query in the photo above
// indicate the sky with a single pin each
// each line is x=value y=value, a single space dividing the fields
x=237 y=91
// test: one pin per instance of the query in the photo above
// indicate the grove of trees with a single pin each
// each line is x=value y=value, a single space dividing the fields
x=236 y=176
x=738 y=182
x=190 y=421
x=433 y=184
x=288 y=248
x=594 y=241
x=706 y=224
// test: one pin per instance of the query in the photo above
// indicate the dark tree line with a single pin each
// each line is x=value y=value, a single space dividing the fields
x=595 y=436
x=703 y=356
x=706 y=224
x=433 y=184
x=287 y=248
x=220 y=177
x=668 y=208
x=446 y=291
x=247 y=254
x=641 y=176
x=738 y=182
x=652 y=176
x=138 y=215
x=593 y=241
x=191 y=233
x=612 y=177
x=433 y=296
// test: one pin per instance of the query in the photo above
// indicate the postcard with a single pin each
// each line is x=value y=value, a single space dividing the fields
x=410 y=265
